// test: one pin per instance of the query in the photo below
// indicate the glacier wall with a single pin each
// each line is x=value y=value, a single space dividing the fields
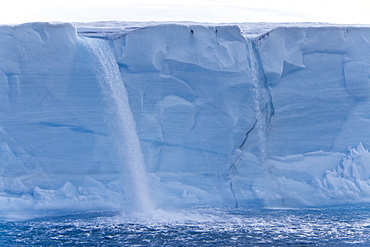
x=221 y=116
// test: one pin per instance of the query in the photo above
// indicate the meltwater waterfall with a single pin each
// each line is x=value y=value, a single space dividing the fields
x=258 y=101
x=123 y=126
x=263 y=113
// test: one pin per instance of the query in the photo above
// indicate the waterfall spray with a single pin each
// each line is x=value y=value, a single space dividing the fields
x=122 y=121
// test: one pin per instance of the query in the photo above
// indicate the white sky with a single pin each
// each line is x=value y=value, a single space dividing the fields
x=332 y=11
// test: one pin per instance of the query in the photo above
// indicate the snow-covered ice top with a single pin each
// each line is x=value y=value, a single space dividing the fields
x=227 y=115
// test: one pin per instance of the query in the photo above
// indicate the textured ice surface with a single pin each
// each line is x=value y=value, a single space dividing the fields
x=225 y=115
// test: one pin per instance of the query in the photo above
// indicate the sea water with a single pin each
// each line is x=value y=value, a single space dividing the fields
x=336 y=226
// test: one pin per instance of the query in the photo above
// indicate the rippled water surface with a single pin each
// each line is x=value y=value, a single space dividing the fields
x=345 y=226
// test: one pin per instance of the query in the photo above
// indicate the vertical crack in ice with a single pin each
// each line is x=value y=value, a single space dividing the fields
x=271 y=115
x=233 y=193
x=125 y=135
x=247 y=134
x=236 y=157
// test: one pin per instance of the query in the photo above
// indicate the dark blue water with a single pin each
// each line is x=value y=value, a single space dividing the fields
x=339 y=226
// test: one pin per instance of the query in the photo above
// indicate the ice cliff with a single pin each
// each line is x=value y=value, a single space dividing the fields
x=177 y=115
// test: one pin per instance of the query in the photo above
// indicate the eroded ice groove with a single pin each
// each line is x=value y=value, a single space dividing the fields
x=123 y=127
